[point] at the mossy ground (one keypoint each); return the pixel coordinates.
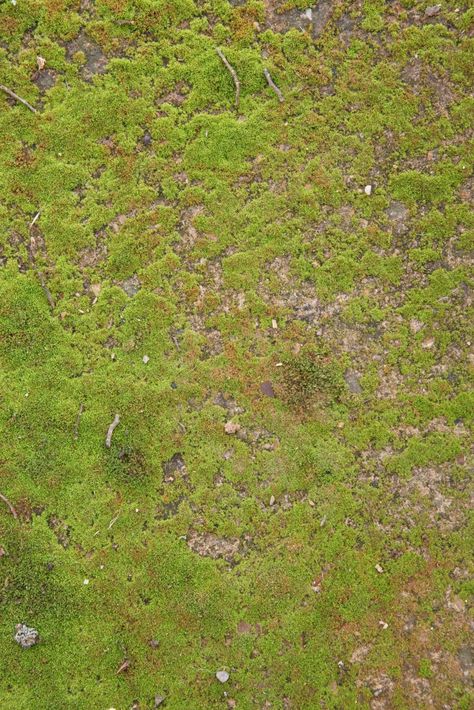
(236, 248)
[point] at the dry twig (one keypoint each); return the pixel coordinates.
(233, 74)
(110, 431)
(12, 94)
(12, 509)
(273, 86)
(34, 220)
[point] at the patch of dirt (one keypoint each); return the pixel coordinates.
(209, 545)
(44, 79)
(227, 403)
(174, 468)
(95, 59)
(131, 286)
(313, 19)
(60, 529)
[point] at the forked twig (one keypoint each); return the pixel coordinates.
(17, 98)
(12, 509)
(273, 86)
(233, 74)
(110, 431)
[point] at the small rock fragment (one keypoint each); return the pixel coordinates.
(147, 139)
(159, 700)
(40, 62)
(124, 666)
(272, 500)
(368, 189)
(266, 388)
(427, 343)
(95, 289)
(146, 359)
(352, 381)
(231, 427)
(274, 324)
(222, 676)
(26, 636)
(383, 624)
(416, 325)
(131, 286)
(432, 10)
(379, 568)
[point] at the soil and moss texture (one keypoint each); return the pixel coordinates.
(235, 348)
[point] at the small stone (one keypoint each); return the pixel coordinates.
(146, 359)
(159, 700)
(40, 62)
(131, 286)
(85, 582)
(308, 14)
(432, 10)
(427, 343)
(272, 500)
(266, 388)
(231, 427)
(352, 381)
(379, 568)
(26, 636)
(222, 676)
(274, 324)
(416, 325)
(368, 189)
(147, 139)
(383, 624)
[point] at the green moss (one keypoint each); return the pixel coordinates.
(212, 266)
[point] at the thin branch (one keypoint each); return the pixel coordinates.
(233, 74)
(12, 509)
(273, 86)
(113, 521)
(17, 98)
(78, 421)
(34, 220)
(110, 431)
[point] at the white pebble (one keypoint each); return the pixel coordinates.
(146, 359)
(86, 581)
(222, 676)
(368, 189)
(379, 569)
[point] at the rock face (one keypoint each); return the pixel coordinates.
(26, 636)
